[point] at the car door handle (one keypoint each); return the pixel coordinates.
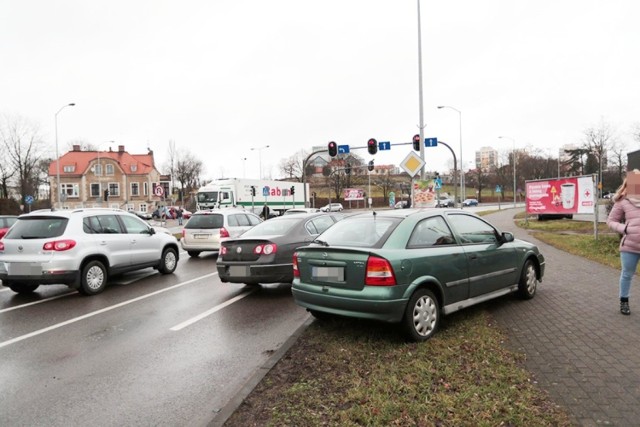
(473, 256)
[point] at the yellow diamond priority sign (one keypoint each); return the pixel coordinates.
(412, 163)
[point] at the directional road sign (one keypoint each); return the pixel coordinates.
(431, 142)
(384, 145)
(343, 149)
(28, 200)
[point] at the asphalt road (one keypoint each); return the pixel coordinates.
(150, 350)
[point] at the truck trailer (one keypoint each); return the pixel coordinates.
(252, 194)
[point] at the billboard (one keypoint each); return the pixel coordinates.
(353, 194)
(424, 193)
(572, 195)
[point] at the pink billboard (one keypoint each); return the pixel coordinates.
(572, 195)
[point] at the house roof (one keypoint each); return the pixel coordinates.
(82, 161)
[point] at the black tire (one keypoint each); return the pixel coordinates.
(169, 261)
(22, 288)
(528, 281)
(422, 316)
(193, 254)
(93, 278)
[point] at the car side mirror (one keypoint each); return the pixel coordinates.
(507, 237)
(152, 231)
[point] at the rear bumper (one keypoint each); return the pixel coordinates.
(69, 278)
(279, 273)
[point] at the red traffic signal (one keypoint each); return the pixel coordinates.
(333, 149)
(416, 142)
(370, 166)
(372, 146)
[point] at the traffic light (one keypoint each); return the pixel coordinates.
(416, 142)
(347, 169)
(253, 190)
(370, 166)
(106, 195)
(333, 149)
(292, 190)
(372, 146)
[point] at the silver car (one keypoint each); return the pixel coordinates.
(206, 229)
(81, 248)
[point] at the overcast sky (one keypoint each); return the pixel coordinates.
(222, 76)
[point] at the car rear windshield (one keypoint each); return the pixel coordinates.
(37, 228)
(205, 221)
(273, 227)
(368, 232)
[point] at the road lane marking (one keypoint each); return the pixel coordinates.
(104, 310)
(210, 312)
(4, 310)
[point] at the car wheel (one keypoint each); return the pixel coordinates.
(193, 254)
(22, 288)
(422, 315)
(169, 261)
(528, 281)
(93, 279)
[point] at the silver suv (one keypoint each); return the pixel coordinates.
(81, 248)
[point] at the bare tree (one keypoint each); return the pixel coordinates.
(188, 170)
(292, 167)
(598, 141)
(23, 148)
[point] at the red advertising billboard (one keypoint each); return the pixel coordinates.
(572, 195)
(353, 194)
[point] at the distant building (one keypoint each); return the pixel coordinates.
(130, 179)
(487, 159)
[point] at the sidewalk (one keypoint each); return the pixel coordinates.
(577, 344)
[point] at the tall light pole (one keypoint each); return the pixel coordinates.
(462, 194)
(514, 167)
(57, 155)
(420, 92)
(260, 156)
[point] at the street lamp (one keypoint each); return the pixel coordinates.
(462, 194)
(420, 92)
(57, 155)
(260, 156)
(514, 167)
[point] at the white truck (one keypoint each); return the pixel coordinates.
(252, 194)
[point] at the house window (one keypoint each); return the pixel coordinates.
(135, 189)
(97, 169)
(95, 190)
(134, 168)
(143, 207)
(69, 168)
(109, 169)
(71, 190)
(145, 188)
(114, 189)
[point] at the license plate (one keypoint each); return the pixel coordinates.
(201, 236)
(328, 273)
(237, 270)
(24, 269)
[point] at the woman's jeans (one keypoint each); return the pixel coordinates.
(629, 261)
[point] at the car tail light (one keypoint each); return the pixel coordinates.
(379, 272)
(3, 231)
(267, 249)
(1, 246)
(296, 272)
(184, 232)
(223, 250)
(224, 232)
(59, 245)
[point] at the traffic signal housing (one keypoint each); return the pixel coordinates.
(372, 146)
(370, 166)
(292, 190)
(416, 142)
(253, 190)
(333, 149)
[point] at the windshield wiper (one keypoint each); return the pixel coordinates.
(321, 242)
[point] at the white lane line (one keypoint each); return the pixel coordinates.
(104, 310)
(4, 310)
(210, 312)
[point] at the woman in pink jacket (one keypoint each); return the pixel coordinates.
(625, 219)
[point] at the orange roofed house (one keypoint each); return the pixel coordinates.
(86, 176)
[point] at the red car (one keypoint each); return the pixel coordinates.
(6, 221)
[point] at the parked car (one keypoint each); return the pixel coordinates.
(445, 202)
(205, 230)
(264, 253)
(6, 221)
(143, 215)
(470, 202)
(411, 267)
(81, 248)
(332, 207)
(301, 210)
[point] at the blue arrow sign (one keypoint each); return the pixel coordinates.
(384, 145)
(431, 142)
(343, 149)
(28, 200)
(498, 189)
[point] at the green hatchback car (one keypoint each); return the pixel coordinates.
(412, 266)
